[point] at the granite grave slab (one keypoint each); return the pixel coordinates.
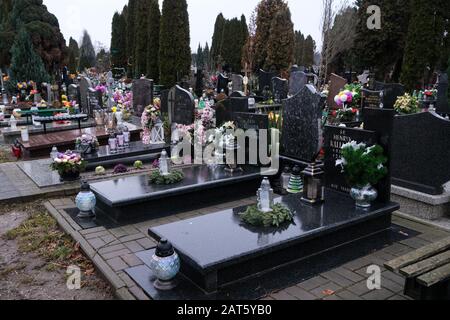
(337, 83)
(218, 249)
(144, 200)
(443, 97)
(280, 89)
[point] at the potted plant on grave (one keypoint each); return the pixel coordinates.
(69, 165)
(363, 167)
(406, 104)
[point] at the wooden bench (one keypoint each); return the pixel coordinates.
(427, 271)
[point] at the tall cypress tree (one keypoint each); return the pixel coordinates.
(131, 34)
(266, 12)
(154, 22)
(309, 50)
(118, 41)
(217, 41)
(206, 57)
(87, 53)
(299, 46)
(74, 55)
(141, 40)
(280, 46)
(26, 64)
(175, 51)
(199, 59)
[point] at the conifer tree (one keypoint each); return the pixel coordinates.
(87, 53)
(281, 42)
(175, 51)
(131, 34)
(118, 41)
(141, 40)
(154, 23)
(266, 12)
(206, 57)
(26, 64)
(217, 41)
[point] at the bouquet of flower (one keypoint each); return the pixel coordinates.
(150, 116)
(68, 163)
(86, 144)
(362, 165)
(101, 88)
(406, 104)
(345, 114)
(226, 132)
(347, 98)
(429, 94)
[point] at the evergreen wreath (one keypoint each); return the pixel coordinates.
(174, 177)
(278, 216)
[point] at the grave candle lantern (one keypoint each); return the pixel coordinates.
(120, 140)
(157, 136)
(24, 134)
(165, 264)
(85, 201)
(265, 196)
(164, 164)
(313, 190)
(13, 123)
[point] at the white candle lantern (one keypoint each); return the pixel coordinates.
(265, 196)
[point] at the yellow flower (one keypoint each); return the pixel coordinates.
(114, 109)
(64, 97)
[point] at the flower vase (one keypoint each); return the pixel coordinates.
(364, 196)
(69, 176)
(146, 137)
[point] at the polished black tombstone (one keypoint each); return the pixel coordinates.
(142, 95)
(222, 84)
(265, 80)
(421, 152)
(181, 106)
(280, 89)
(391, 91)
(238, 82)
(226, 108)
(443, 97)
(217, 250)
(302, 132)
(134, 198)
(136, 151)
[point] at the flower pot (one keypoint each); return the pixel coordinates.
(364, 196)
(70, 176)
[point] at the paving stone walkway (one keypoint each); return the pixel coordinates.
(114, 250)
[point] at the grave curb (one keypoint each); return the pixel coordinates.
(428, 223)
(121, 292)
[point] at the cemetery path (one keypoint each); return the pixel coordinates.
(27, 275)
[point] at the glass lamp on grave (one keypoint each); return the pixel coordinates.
(112, 143)
(86, 202)
(54, 153)
(313, 190)
(164, 164)
(157, 135)
(120, 140)
(285, 177)
(126, 136)
(265, 196)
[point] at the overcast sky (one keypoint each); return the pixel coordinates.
(95, 16)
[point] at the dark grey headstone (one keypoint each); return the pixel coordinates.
(222, 84)
(165, 101)
(265, 79)
(302, 128)
(443, 95)
(297, 81)
(421, 152)
(251, 121)
(85, 84)
(391, 91)
(142, 95)
(74, 93)
(226, 108)
(181, 106)
(337, 83)
(335, 138)
(93, 102)
(238, 82)
(371, 99)
(280, 88)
